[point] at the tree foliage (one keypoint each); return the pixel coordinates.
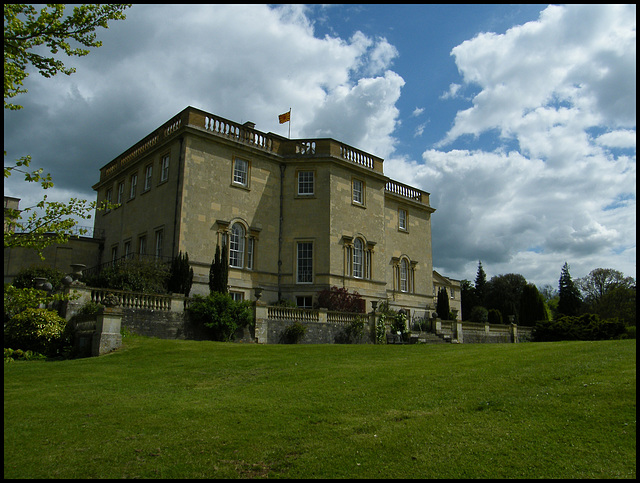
(32, 38)
(601, 281)
(532, 306)
(340, 300)
(504, 293)
(27, 31)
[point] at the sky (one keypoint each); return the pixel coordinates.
(519, 120)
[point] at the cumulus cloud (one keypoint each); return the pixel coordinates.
(243, 62)
(543, 87)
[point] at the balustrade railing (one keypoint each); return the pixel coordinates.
(405, 191)
(133, 300)
(238, 132)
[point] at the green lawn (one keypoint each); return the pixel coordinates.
(187, 409)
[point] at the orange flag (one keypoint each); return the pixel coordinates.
(286, 117)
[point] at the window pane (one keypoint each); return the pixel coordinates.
(305, 182)
(165, 169)
(240, 172)
(404, 276)
(147, 178)
(236, 246)
(357, 192)
(305, 262)
(358, 258)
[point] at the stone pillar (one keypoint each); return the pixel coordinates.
(514, 333)
(261, 322)
(457, 326)
(322, 315)
(107, 336)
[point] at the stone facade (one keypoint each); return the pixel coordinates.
(298, 215)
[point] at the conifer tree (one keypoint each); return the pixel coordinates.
(442, 307)
(218, 273)
(569, 296)
(181, 277)
(481, 285)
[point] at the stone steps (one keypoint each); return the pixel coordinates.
(428, 338)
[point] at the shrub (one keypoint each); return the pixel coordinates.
(479, 314)
(37, 330)
(583, 327)
(494, 316)
(11, 355)
(26, 278)
(133, 275)
(340, 300)
(220, 314)
(353, 331)
(18, 299)
(294, 333)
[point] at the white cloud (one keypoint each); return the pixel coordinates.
(452, 92)
(623, 138)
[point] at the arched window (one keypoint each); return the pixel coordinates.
(236, 246)
(358, 258)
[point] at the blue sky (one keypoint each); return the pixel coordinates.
(518, 119)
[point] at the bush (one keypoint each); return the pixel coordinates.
(583, 327)
(133, 275)
(353, 331)
(494, 316)
(18, 299)
(11, 355)
(340, 300)
(26, 278)
(294, 333)
(220, 314)
(37, 330)
(479, 314)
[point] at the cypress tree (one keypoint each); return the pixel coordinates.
(442, 307)
(181, 277)
(218, 273)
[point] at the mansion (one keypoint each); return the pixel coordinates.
(296, 215)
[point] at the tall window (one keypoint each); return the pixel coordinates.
(148, 176)
(357, 191)
(305, 182)
(304, 262)
(241, 172)
(109, 195)
(127, 249)
(142, 245)
(358, 258)
(404, 275)
(134, 184)
(120, 192)
(159, 244)
(402, 219)
(236, 246)
(164, 170)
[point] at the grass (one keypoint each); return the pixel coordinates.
(188, 409)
